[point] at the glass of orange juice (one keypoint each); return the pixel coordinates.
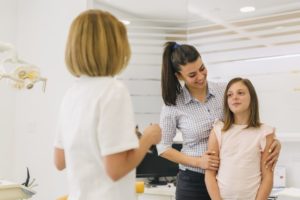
(139, 186)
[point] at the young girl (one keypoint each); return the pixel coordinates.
(96, 140)
(242, 142)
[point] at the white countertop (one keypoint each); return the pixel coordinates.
(168, 190)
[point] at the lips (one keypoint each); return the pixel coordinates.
(200, 83)
(236, 104)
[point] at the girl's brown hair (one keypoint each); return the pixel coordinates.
(253, 120)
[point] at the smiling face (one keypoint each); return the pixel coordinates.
(238, 98)
(194, 75)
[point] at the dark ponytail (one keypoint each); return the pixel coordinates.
(174, 56)
(169, 83)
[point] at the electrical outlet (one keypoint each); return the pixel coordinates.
(279, 177)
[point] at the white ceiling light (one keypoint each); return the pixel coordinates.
(247, 9)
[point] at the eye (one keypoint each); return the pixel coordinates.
(241, 92)
(192, 75)
(229, 94)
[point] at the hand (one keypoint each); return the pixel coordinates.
(153, 132)
(209, 160)
(273, 156)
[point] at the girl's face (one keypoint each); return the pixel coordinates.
(238, 98)
(194, 75)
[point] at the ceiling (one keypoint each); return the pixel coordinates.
(231, 43)
(214, 26)
(190, 10)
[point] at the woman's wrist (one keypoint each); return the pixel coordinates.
(196, 162)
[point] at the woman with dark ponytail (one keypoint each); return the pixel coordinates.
(170, 84)
(192, 108)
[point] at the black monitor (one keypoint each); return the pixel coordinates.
(154, 166)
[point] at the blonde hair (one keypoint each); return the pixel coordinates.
(97, 45)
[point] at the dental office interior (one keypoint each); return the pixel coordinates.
(261, 43)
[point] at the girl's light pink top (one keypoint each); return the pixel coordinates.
(239, 175)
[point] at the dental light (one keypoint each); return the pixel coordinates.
(23, 74)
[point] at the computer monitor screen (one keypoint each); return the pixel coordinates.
(154, 166)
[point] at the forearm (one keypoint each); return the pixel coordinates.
(212, 185)
(119, 165)
(267, 173)
(265, 188)
(178, 157)
(135, 156)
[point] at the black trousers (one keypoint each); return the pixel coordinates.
(191, 186)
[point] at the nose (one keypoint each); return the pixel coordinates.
(234, 96)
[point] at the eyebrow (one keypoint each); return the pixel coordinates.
(240, 89)
(191, 73)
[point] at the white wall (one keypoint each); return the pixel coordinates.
(42, 28)
(290, 159)
(8, 19)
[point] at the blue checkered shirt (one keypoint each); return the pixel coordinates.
(194, 119)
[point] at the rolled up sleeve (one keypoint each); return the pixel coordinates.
(168, 127)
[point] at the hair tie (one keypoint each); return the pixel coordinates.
(175, 46)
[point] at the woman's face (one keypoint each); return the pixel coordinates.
(194, 75)
(238, 98)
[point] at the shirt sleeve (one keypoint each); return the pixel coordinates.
(266, 130)
(168, 127)
(116, 127)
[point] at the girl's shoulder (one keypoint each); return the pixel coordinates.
(217, 127)
(267, 129)
(218, 123)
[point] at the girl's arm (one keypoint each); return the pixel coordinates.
(267, 172)
(210, 175)
(119, 164)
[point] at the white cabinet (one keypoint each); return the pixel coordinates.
(166, 192)
(13, 191)
(155, 197)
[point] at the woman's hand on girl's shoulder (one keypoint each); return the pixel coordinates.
(274, 152)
